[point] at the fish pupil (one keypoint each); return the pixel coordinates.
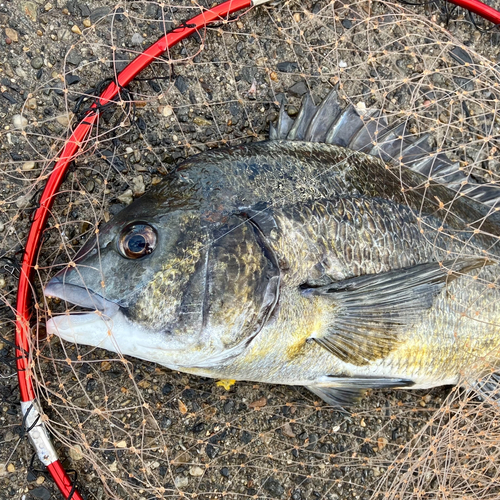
(137, 244)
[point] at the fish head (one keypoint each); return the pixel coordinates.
(169, 281)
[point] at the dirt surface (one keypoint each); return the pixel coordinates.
(159, 434)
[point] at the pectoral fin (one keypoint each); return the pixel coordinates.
(370, 312)
(343, 391)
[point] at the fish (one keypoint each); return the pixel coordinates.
(343, 254)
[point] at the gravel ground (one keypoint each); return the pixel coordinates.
(193, 436)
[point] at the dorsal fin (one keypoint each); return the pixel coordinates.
(368, 131)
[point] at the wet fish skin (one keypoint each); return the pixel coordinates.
(259, 249)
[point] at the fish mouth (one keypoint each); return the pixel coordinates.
(80, 296)
(107, 326)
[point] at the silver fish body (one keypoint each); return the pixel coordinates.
(298, 262)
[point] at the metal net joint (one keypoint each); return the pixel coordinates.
(37, 432)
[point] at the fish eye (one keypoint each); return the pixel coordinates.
(137, 240)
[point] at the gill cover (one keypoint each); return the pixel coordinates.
(203, 288)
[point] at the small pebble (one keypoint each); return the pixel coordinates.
(72, 79)
(75, 452)
(274, 487)
(105, 366)
(181, 482)
(288, 67)
(166, 110)
(137, 39)
(87, 22)
(2, 282)
(20, 72)
(298, 89)
(182, 458)
(381, 443)
(74, 58)
(12, 34)
(121, 444)
(64, 120)
(196, 471)
(41, 492)
(36, 62)
(443, 118)
(48, 6)
(126, 198)
(24, 201)
(138, 185)
(201, 122)
(259, 403)
(76, 29)
(346, 23)
(30, 8)
(181, 84)
(11, 468)
(28, 165)
(361, 106)
(342, 64)
(287, 430)
(19, 122)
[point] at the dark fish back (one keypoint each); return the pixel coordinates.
(311, 158)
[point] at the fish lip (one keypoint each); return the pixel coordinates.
(80, 296)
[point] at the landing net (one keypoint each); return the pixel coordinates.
(135, 430)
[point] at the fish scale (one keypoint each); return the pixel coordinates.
(343, 254)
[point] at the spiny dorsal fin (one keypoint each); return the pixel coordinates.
(300, 125)
(370, 312)
(367, 131)
(344, 391)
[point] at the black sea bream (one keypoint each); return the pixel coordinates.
(342, 254)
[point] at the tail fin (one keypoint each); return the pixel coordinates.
(368, 131)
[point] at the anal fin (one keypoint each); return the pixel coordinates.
(345, 391)
(488, 388)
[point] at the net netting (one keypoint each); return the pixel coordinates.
(135, 430)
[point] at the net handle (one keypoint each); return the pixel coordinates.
(36, 431)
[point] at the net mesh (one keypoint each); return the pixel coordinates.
(136, 430)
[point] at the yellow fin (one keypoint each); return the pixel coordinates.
(226, 383)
